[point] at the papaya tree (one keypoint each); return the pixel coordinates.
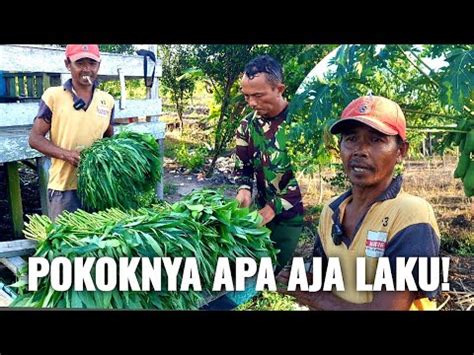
(432, 83)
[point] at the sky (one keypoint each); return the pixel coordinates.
(323, 67)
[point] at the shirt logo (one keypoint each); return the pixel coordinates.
(364, 109)
(375, 244)
(103, 111)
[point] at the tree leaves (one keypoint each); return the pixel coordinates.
(429, 95)
(458, 80)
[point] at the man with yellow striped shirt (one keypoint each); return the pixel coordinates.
(376, 218)
(75, 115)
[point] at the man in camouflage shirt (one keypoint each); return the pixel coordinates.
(261, 152)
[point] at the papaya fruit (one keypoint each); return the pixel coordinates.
(468, 180)
(463, 165)
(459, 135)
(469, 144)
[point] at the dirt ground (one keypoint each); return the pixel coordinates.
(30, 198)
(178, 182)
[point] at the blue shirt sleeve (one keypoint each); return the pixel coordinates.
(417, 240)
(44, 112)
(112, 115)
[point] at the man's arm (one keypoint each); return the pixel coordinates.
(109, 132)
(326, 300)
(383, 300)
(38, 141)
(243, 166)
(286, 197)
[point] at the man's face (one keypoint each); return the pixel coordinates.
(261, 95)
(369, 156)
(82, 68)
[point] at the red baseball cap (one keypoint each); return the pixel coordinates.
(378, 112)
(78, 51)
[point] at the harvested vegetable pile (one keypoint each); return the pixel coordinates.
(204, 225)
(117, 171)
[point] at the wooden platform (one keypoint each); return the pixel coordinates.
(25, 72)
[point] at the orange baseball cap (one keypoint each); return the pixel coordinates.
(378, 112)
(78, 51)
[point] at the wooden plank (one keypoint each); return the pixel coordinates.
(14, 140)
(14, 145)
(160, 186)
(14, 263)
(46, 83)
(65, 77)
(19, 247)
(14, 198)
(30, 85)
(55, 80)
(123, 91)
(31, 58)
(42, 168)
(39, 86)
(157, 129)
(5, 298)
(11, 86)
(21, 85)
(23, 113)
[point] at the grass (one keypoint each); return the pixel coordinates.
(461, 245)
(169, 188)
(270, 301)
(189, 139)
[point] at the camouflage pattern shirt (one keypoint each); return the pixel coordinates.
(261, 151)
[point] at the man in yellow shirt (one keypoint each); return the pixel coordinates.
(75, 115)
(376, 218)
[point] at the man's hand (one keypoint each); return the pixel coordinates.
(267, 213)
(38, 141)
(309, 299)
(244, 197)
(71, 156)
(282, 280)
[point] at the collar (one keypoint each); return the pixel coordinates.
(390, 193)
(68, 86)
(282, 115)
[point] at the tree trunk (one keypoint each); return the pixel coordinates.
(210, 171)
(219, 136)
(321, 188)
(180, 109)
(181, 123)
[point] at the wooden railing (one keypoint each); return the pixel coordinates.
(36, 68)
(28, 86)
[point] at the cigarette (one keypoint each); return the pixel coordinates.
(88, 79)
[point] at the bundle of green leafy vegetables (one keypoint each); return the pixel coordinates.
(117, 171)
(204, 225)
